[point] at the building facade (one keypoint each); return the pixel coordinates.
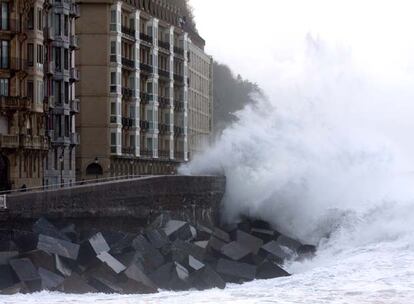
(23, 140)
(200, 97)
(134, 64)
(29, 97)
(60, 98)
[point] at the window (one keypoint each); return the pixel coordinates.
(58, 26)
(66, 26)
(4, 24)
(30, 89)
(30, 54)
(39, 19)
(113, 142)
(4, 87)
(4, 56)
(39, 54)
(58, 92)
(113, 21)
(113, 82)
(66, 92)
(40, 91)
(66, 59)
(30, 19)
(58, 60)
(67, 126)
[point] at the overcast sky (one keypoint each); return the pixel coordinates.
(263, 40)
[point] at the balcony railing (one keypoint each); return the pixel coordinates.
(164, 102)
(178, 130)
(178, 51)
(165, 154)
(144, 125)
(75, 105)
(145, 97)
(74, 74)
(34, 142)
(14, 103)
(178, 105)
(164, 73)
(127, 122)
(146, 153)
(164, 45)
(178, 78)
(128, 31)
(145, 37)
(127, 92)
(74, 41)
(146, 68)
(128, 150)
(74, 139)
(129, 63)
(9, 141)
(164, 128)
(74, 10)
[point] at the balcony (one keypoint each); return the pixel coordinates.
(9, 141)
(178, 131)
(49, 33)
(75, 106)
(74, 139)
(74, 42)
(14, 103)
(146, 153)
(34, 142)
(146, 68)
(128, 150)
(164, 45)
(179, 51)
(164, 73)
(144, 125)
(50, 67)
(164, 102)
(128, 63)
(128, 93)
(74, 10)
(59, 140)
(129, 32)
(164, 128)
(146, 38)
(179, 78)
(145, 97)
(74, 74)
(178, 105)
(127, 122)
(164, 154)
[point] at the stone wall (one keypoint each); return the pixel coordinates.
(125, 204)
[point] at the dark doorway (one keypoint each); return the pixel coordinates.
(4, 174)
(94, 169)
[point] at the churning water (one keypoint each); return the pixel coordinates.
(324, 160)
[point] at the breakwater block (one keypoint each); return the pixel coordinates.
(168, 254)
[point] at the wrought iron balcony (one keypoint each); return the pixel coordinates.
(164, 45)
(163, 73)
(9, 141)
(179, 51)
(178, 105)
(127, 122)
(146, 38)
(164, 102)
(128, 31)
(74, 74)
(178, 78)
(129, 63)
(15, 103)
(128, 150)
(164, 128)
(146, 68)
(165, 154)
(144, 125)
(75, 105)
(146, 153)
(74, 42)
(178, 130)
(145, 97)
(34, 142)
(127, 92)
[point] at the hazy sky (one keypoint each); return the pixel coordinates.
(254, 37)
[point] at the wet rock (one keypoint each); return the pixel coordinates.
(111, 262)
(137, 273)
(194, 263)
(207, 278)
(234, 251)
(27, 274)
(248, 241)
(276, 251)
(236, 269)
(57, 246)
(288, 242)
(50, 280)
(270, 270)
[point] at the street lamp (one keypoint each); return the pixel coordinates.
(61, 170)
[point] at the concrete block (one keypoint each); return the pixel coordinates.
(77, 285)
(234, 251)
(181, 250)
(8, 277)
(70, 232)
(270, 270)
(162, 276)
(202, 244)
(57, 246)
(265, 234)
(276, 250)
(104, 285)
(136, 273)
(6, 256)
(50, 280)
(194, 263)
(43, 226)
(62, 266)
(182, 272)
(288, 242)
(178, 230)
(157, 238)
(112, 263)
(99, 244)
(236, 269)
(123, 245)
(151, 256)
(215, 244)
(160, 221)
(206, 278)
(248, 241)
(222, 235)
(42, 259)
(27, 274)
